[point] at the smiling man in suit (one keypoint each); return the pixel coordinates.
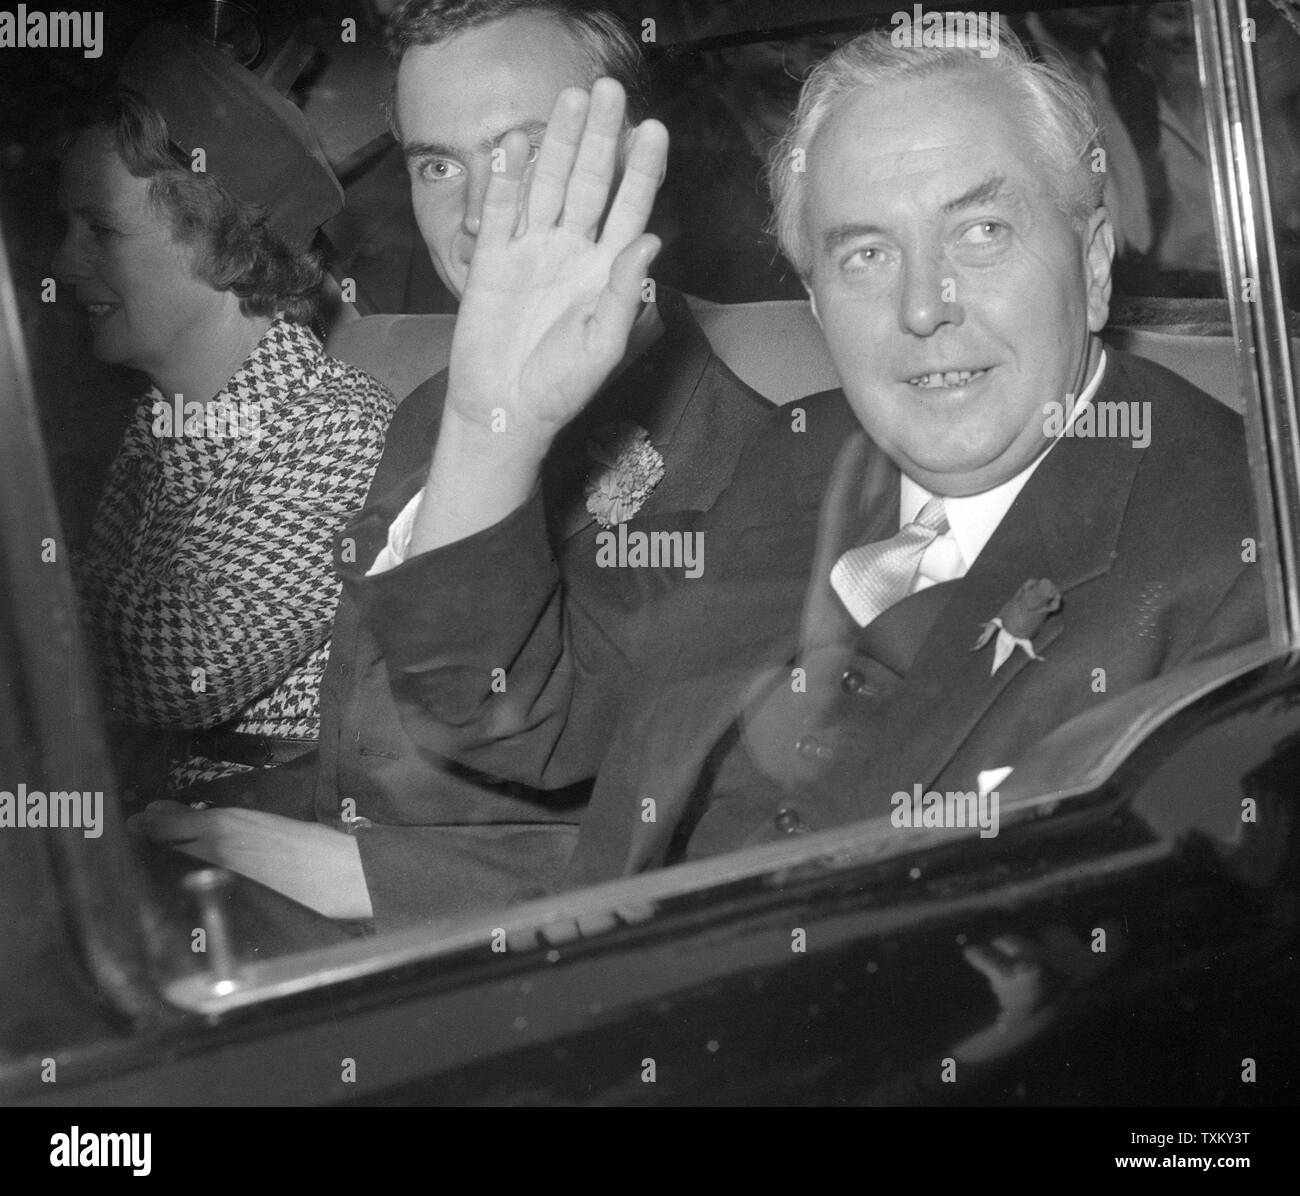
(911, 580)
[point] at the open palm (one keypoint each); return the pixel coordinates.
(552, 292)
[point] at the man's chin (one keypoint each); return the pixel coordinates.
(957, 478)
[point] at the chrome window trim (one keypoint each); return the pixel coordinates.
(1244, 227)
(586, 914)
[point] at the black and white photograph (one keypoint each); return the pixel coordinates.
(651, 552)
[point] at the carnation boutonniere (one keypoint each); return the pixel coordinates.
(630, 467)
(1020, 619)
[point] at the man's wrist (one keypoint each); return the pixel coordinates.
(479, 474)
(497, 441)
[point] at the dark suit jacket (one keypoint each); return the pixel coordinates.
(436, 837)
(640, 687)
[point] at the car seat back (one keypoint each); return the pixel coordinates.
(774, 346)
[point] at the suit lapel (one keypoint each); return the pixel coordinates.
(1065, 526)
(861, 506)
(654, 391)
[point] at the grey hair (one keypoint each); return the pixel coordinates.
(1058, 114)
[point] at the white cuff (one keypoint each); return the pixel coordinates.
(399, 539)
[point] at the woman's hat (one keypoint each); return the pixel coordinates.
(254, 142)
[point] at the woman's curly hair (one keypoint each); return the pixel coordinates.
(235, 249)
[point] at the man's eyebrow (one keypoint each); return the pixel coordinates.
(438, 149)
(91, 211)
(835, 237)
(423, 149)
(992, 188)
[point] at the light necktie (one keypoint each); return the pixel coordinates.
(870, 579)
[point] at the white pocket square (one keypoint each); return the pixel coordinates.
(991, 778)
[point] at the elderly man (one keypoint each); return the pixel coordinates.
(377, 826)
(910, 581)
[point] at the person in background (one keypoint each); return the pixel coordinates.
(191, 196)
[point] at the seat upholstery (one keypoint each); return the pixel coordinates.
(401, 351)
(776, 347)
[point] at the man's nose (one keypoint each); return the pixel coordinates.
(930, 296)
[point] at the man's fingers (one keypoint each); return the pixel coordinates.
(501, 199)
(620, 301)
(593, 169)
(555, 159)
(643, 172)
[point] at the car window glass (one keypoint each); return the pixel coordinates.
(1277, 44)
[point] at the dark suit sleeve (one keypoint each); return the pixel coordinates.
(417, 875)
(497, 663)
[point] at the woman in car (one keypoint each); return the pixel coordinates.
(192, 194)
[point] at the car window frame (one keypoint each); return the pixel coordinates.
(1248, 252)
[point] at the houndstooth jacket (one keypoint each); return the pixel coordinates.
(208, 577)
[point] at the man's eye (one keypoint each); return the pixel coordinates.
(985, 232)
(862, 258)
(438, 170)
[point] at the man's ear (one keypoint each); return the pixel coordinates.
(812, 302)
(1098, 259)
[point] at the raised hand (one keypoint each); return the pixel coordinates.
(552, 294)
(548, 307)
